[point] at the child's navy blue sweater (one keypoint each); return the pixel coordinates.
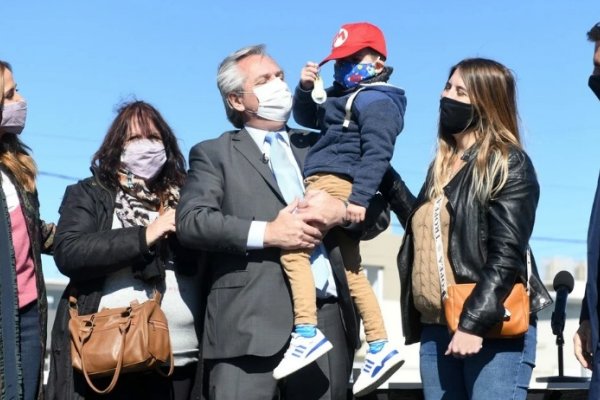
(362, 151)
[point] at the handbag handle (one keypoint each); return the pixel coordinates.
(439, 250)
(123, 328)
(171, 367)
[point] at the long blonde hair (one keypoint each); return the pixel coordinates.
(492, 90)
(13, 153)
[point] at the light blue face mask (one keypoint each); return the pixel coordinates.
(349, 74)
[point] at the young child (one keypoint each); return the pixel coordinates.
(359, 118)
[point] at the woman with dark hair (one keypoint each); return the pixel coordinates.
(480, 195)
(116, 242)
(23, 236)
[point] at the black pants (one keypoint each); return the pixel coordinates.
(149, 386)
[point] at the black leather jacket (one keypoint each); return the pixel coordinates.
(488, 242)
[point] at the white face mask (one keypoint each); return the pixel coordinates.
(144, 157)
(274, 100)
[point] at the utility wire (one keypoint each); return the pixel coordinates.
(59, 176)
(558, 240)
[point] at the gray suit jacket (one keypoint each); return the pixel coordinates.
(249, 306)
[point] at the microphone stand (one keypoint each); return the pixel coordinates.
(560, 341)
(561, 378)
(563, 285)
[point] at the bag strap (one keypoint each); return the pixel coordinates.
(348, 107)
(123, 328)
(439, 249)
(439, 246)
(73, 310)
(158, 299)
(171, 367)
(156, 296)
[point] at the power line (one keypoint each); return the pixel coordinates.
(67, 137)
(59, 176)
(558, 240)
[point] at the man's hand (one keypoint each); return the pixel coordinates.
(464, 344)
(322, 210)
(308, 75)
(291, 231)
(355, 213)
(582, 345)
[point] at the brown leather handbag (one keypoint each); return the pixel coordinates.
(516, 306)
(115, 341)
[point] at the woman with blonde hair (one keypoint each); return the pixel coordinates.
(23, 237)
(480, 194)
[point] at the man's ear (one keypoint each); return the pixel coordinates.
(379, 64)
(235, 102)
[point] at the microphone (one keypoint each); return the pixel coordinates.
(563, 285)
(264, 158)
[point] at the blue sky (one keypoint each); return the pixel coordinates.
(75, 61)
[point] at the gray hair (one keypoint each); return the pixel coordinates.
(230, 79)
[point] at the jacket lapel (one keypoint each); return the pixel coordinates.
(243, 143)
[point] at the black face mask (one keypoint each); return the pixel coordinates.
(456, 117)
(594, 84)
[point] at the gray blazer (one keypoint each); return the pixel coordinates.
(249, 306)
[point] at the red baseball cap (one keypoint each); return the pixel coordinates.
(352, 38)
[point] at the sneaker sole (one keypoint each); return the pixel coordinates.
(324, 348)
(385, 375)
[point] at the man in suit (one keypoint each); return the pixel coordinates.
(233, 207)
(586, 340)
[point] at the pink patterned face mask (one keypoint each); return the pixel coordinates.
(144, 157)
(13, 117)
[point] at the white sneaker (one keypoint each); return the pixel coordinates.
(378, 367)
(302, 351)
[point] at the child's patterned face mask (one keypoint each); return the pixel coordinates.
(349, 74)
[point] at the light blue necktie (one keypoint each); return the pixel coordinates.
(283, 169)
(291, 187)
